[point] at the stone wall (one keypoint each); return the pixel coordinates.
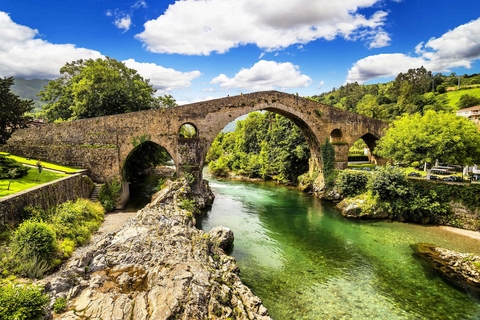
(44, 196)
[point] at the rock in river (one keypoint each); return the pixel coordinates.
(462, 269)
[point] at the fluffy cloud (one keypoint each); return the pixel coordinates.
(163, 79)
(199, 27)
(456, 48)
(22, 55)
(123, 23)
(265, 75)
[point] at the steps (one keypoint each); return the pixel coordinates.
(94, 194)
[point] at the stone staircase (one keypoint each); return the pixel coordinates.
(94, 194)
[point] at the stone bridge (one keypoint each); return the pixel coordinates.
(104, 144)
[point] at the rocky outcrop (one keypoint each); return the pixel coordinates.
(360, 208)
(158, 266)
(462, 269)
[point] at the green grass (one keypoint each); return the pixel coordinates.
(46, 165)
(28, 181)
(454, 96)
(362, 165)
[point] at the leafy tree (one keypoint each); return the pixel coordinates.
(12, 110)
(6, 168)
(442, 136)
(166, 101)
(92, 88)
(328, 159)
(467, 101)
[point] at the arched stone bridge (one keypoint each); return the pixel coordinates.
(103, 144)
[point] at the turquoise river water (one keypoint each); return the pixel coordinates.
(305, 261)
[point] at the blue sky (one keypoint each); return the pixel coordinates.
(201, 49)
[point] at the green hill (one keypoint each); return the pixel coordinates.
(454, 96)
(28, 89)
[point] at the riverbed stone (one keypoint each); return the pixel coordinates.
(462, 269)
(158, 266)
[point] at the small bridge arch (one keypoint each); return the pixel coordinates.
(103, 144)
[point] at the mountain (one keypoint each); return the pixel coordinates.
(28, 89)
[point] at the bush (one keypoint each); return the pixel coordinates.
(352, 182)
(389, 183)
(109, 193)
(37, 238)
(22, 301)
(7, 164)
(60, 305)
(78, 220)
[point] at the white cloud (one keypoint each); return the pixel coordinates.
(320, 85)
(200, 27)
(456, 48)
(163, 79)
(139, 4)
(265, 75)
(123, 22)
(22, 55)
(380, 40)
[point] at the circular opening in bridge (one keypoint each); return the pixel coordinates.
(188, 130)
(336, 136)
(147, 166)
(262, 144)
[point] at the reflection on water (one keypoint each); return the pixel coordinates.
(307, 262)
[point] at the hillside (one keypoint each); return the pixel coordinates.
(28, 89)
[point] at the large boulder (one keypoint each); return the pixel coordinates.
(360, 208)
(462, 269)
(223, 235)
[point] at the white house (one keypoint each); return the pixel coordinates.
(472, 113)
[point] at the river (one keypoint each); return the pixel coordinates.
(305, 261)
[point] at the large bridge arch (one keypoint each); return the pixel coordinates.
(103, 144)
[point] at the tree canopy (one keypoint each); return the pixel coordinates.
(433, 136)
(12, 110)
(92, 88)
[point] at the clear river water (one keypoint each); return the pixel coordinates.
(305, 261)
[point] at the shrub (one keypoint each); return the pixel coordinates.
(37, 238)
(78, 220)
(60, 305)
(351, 182)
(22, 301)
(389, 183)
(7, 165)
(109, 193)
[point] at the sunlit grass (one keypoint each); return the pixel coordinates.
(454, 96)
(46, 165)
(28, 181)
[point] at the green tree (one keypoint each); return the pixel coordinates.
(92, 88)
(12, 110)
(467, 101)
(442, 136)
(166, 101)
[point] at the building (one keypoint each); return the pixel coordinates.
(472, 113)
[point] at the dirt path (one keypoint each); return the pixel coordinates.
(115, 220)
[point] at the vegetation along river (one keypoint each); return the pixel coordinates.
(305, 261)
